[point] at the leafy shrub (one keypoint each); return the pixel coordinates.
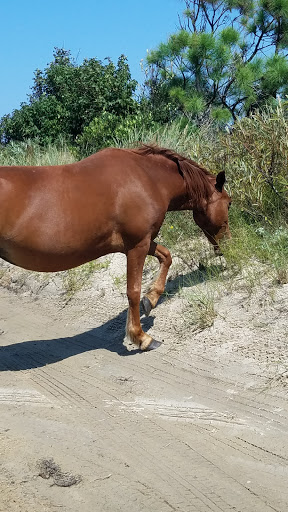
(109, 130)
(67, 96)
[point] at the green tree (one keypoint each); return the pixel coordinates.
(229, 57)
(66, 97)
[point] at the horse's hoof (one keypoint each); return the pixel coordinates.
(154, 344)
(147, 306)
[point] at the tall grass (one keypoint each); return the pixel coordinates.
(178, 136)
(254, 154)
(255, 157)
(32, 153)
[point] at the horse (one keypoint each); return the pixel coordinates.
(55, 218)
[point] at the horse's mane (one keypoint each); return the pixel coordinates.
(196, 177)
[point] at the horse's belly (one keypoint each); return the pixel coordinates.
(55, 255)
(46, 262)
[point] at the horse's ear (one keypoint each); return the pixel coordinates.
(220, 180)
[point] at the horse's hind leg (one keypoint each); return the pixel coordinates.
(156, 289)
(135, 262)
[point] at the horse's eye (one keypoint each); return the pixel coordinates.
(229, 205)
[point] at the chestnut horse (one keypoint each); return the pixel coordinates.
(58, 217)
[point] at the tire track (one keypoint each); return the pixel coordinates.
(196, 454)
(119, 429)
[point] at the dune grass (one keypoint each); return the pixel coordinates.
(32, 153)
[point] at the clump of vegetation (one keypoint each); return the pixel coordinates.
(200, 312)
(76, 278)
(255, 158)
(31, 152)
(119, 281)
(107, 128)
(67, 96)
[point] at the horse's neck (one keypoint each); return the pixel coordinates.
(179, 199)
(180, 203)
(172, 182)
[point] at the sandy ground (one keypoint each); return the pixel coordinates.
(201, 424)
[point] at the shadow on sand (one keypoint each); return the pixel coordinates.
(26, 355)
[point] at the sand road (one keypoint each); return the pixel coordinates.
(168, 430)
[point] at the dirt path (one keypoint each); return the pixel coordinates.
(179, 428)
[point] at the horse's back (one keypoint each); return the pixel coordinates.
(57, 217)
(111, 169)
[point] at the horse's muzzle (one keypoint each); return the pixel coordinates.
(226, 236)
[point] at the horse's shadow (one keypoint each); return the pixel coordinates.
(26, 355)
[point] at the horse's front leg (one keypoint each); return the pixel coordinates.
(156, 289)
(135, 262)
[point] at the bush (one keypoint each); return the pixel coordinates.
(109, 130)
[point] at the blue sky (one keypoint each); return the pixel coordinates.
(30, 30)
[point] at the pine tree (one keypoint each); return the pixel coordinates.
(228, 58)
